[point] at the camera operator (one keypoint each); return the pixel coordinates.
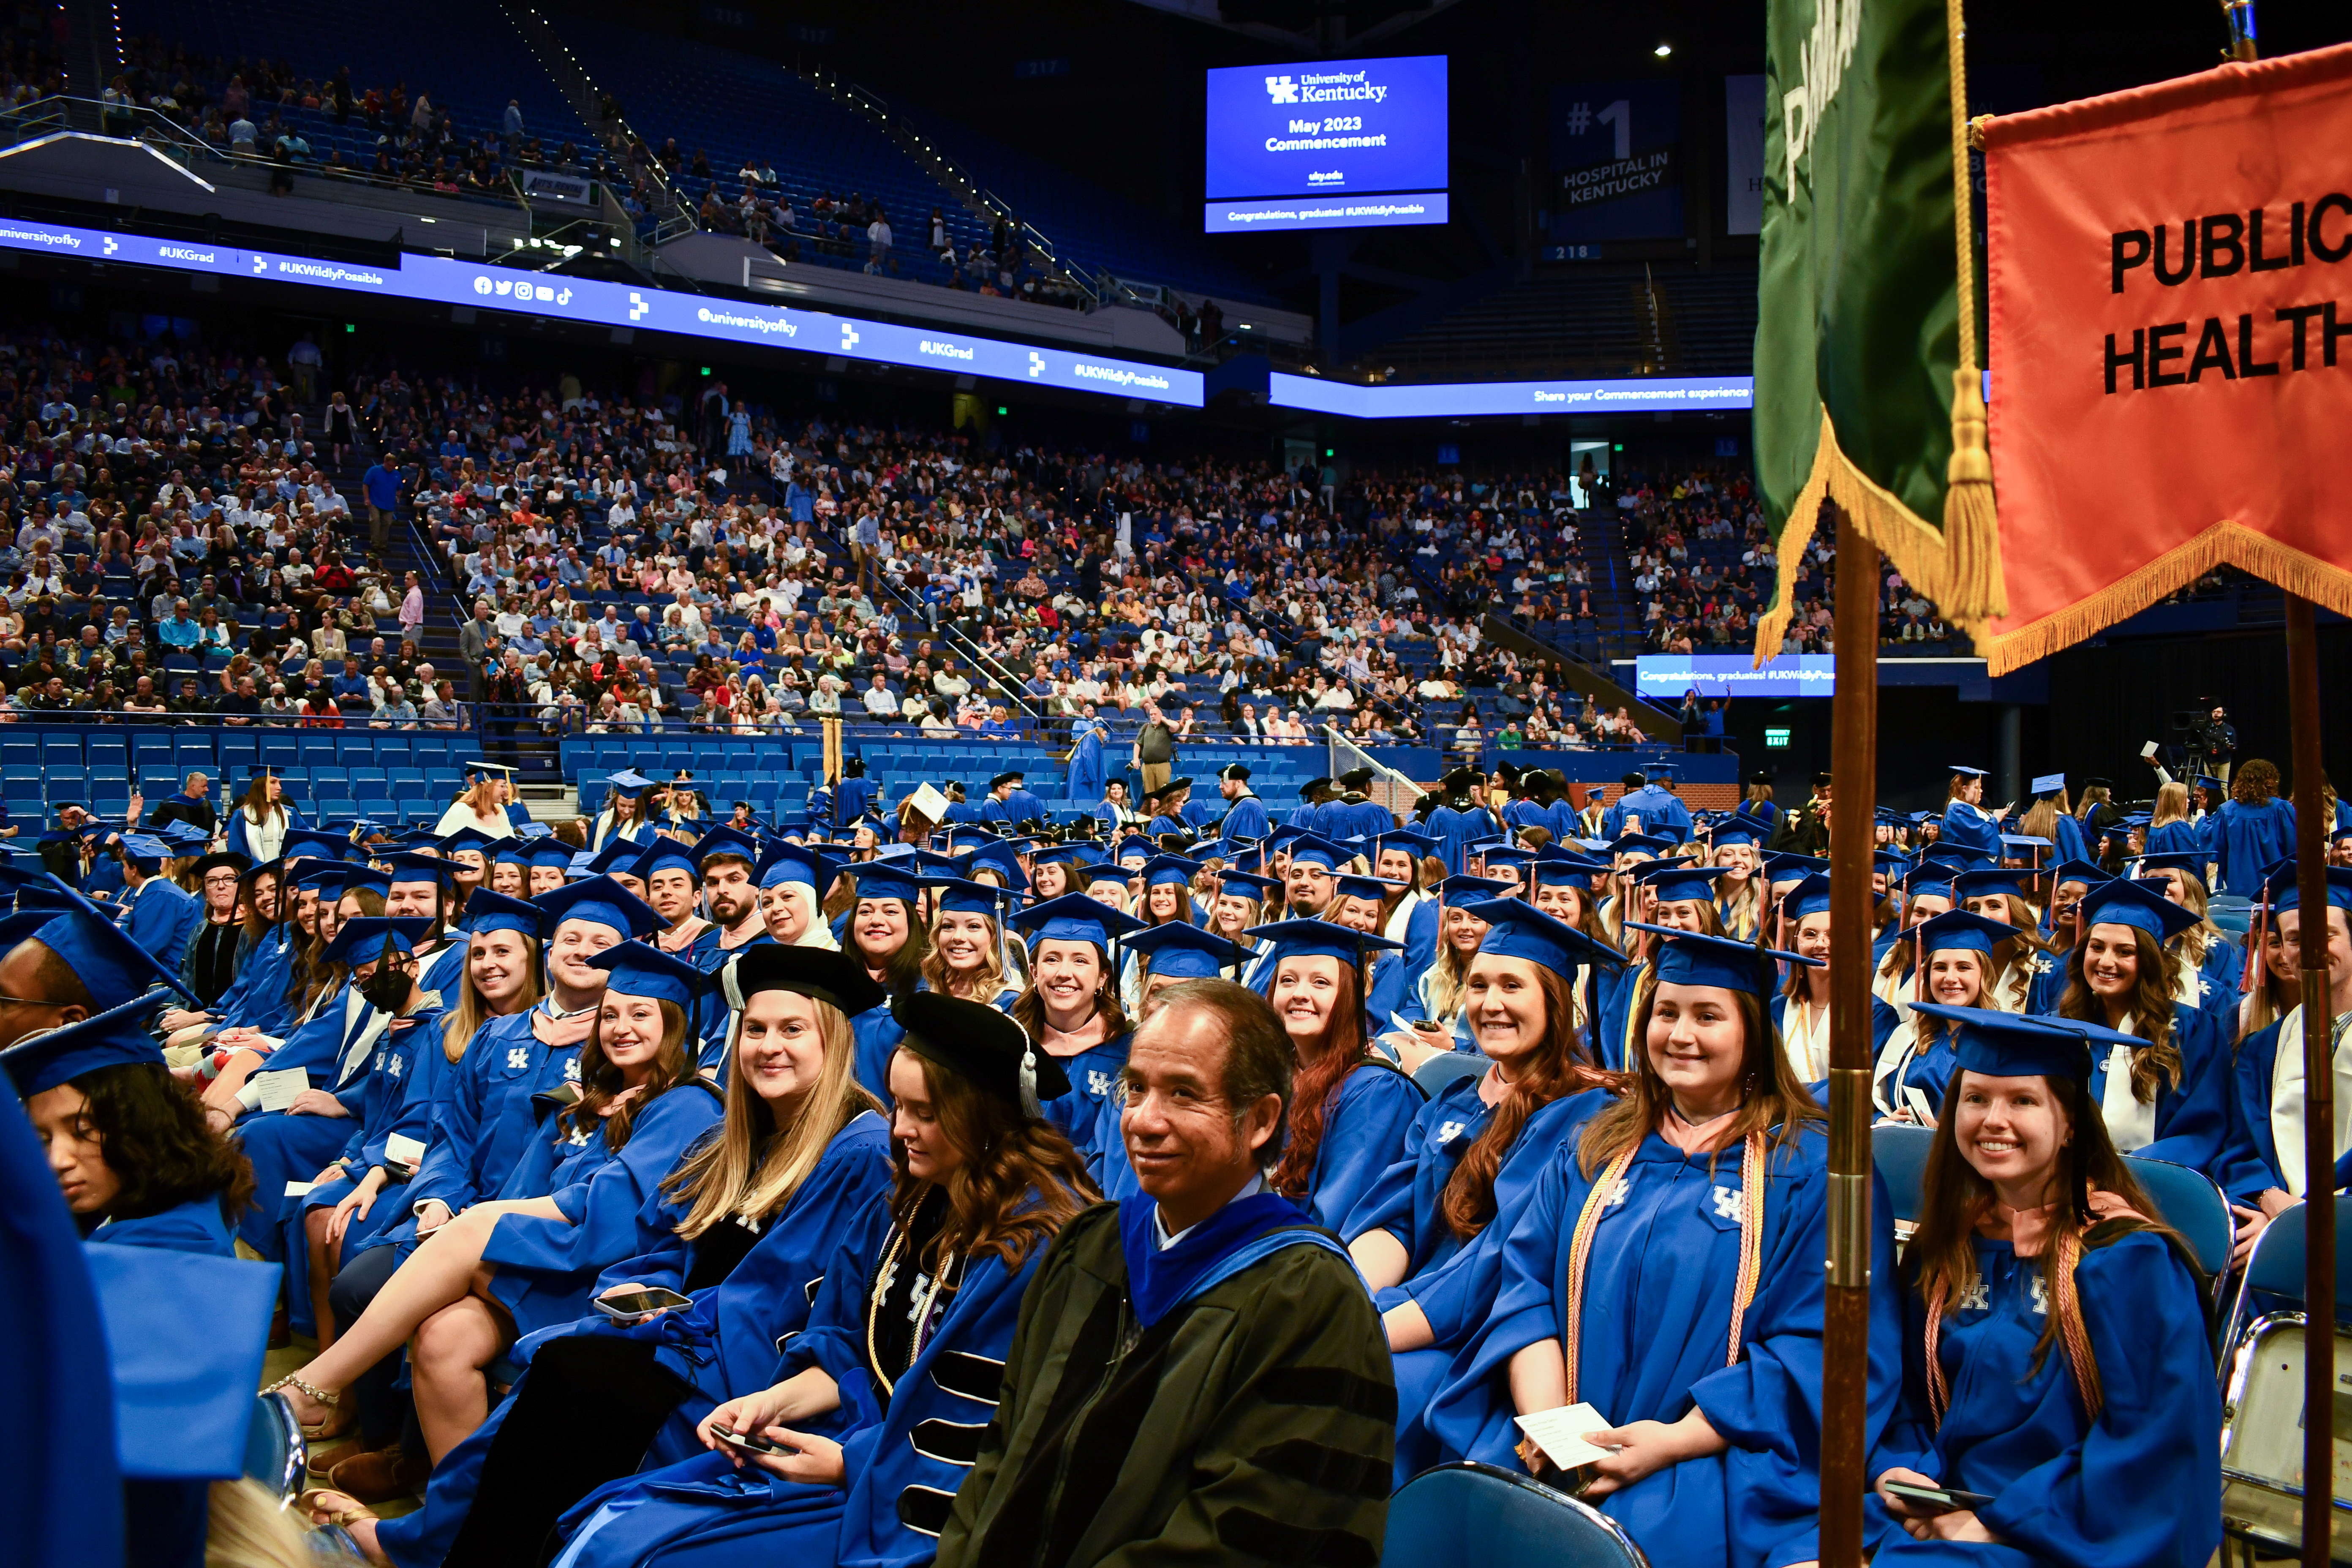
(2211, 741)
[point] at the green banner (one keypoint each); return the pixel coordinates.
(1857, 324)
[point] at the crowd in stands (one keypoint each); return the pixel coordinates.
(173, 544)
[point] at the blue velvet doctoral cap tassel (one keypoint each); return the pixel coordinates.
(641, 969)
(1516, 929)
(2127, 903)
(112, 968)
(1320, 939)
(601, 900)
(1685, 958)
(488, 911)
(116, 1037)
(1182, 950)
(363, 937)
(1074, 917)
(2015, 1045)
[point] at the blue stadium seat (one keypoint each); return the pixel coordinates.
(280, 754)
(61, 751)
(1901, 1154)
(2190, 1204)
(1476, 1514)
(65, 784)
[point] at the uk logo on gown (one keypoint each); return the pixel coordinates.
(517, 1059)
(1727, 1201)
(1448, 1131)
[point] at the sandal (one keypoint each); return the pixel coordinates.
(325, 1507)
(326, 1428)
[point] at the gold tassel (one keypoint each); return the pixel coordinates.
(1973, 589)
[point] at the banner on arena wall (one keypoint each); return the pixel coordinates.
(1859, 394)
(1616, 159)
(1743, 154)
(2170, 299)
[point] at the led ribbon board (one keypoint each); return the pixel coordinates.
(439, 279)
(1456, 399)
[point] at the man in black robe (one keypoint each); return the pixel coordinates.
(1198, 1375)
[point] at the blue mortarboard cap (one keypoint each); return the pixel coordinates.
(1962, 770)
(1673, 883)
(184, 1379)
(145, 849)
(2286, 895)
(723, 841)
(1641, 844)
(1687, 958)
(1739, 830)
(1182, 950)
(115, 1037)
(1314, 849)
(2047, 784)
(1005, 857)
(641, 969)
(1416, 840)
(347, 878)
(875, 878)
(2190, 863)
(1168, 871)
(2118, 901)
(489, 911)
(958, 896)
(1809, 897)
(1993, 879)
(513, 852)
(2025, 843)
(1074, 917)
(782, 863)
(1516, 929)
(361, 940)
(618, 854)
(1508, 855)
(413, 866)
(467, 839)
(628, 781)
(1320, 939)
(1784, 865)
(601, 899)
(2207, 781)
(1662, 770)
(301, 843)
(1246, 885)
(2020, 1045)
(112, 968)
(1369, 888)
(1060, 854)
(1134, 852)
(2086, 872)
(1960, 930)
(1087, 873)
(662, 855)
(1466, 890)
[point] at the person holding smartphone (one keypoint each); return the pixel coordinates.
(856, 1452)
(1667, 1269)
(2058, 1403)
(737, 1233)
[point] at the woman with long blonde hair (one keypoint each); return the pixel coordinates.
(920, 1299)
(967, 956)
(1666, 1267)
(745, 1225)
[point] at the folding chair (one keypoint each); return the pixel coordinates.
(1476, 1514)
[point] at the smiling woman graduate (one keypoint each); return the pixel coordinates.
(2053, 1334)
(1667, 1270)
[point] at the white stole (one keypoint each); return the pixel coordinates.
(2131, 1121)
(1888, 1093)
(356, 1045)
(2286, 1095)
(1805, 1039)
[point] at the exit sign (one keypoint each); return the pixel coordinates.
(1776, 739)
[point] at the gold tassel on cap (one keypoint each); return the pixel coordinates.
(1971, 588)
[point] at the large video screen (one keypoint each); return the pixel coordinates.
(1733, 675)
(1327, 144)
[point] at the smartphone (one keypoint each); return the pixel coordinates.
(637, 1303)
(564, 1094)
(1418, 1024)
(1941, 1500)
(750, 1442)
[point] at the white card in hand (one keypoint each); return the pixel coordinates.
(299, 1189)
(278, 1090)
(403, 1150)
(1559, 1433)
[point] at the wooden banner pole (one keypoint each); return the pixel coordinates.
(2319, 1087)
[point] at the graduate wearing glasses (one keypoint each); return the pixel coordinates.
(1667, 1269)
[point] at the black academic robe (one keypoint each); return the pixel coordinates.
(1253, 1421)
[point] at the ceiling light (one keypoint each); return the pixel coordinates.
(1663, 50)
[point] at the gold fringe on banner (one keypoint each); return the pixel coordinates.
(2225, 543)
(1915, 548)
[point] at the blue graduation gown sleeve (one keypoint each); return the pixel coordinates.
(162, 917)
(1969, 828)
(1364, 1132)
(1246, 820)
(2256, 1168)
(1094, 1075)
(547, 1267)
(877, 1034)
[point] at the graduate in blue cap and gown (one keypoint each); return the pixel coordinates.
(1473, 1150)
(1801, 1007)
(1351, 1110)
(528, 1258)
(1736, 848)
(1072, 1006)
(968, 957)
(160, 915)
(425, 886)
(1434, 1014)
(1245, 820)
(727, 861)
(1676, 894)
(744, 1227)
(2061, 929)
(2168, 1097)
(2269, 1172)
(1667, 1269)
(2211, 964)
(906, 1341)
(2053, 1339)
(626, 813)
(403, 1072)
(1956, 952)
(1167, 899)
(129, 1146)
(883, 928)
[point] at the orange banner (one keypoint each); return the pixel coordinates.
(2170, 342)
